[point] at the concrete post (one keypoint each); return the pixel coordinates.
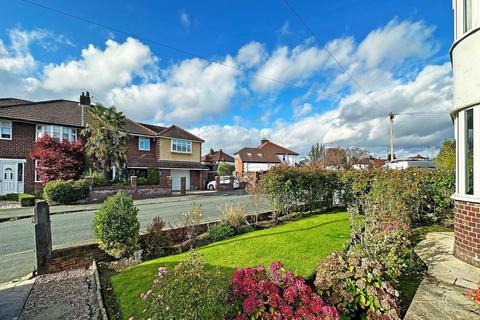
(43, 237)
(183, 186)
(169, 184)
(133, 182)
(217, 183)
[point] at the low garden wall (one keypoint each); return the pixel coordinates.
(141, 192)
(467, 232)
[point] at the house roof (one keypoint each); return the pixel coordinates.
(257, 155)
(149, 160)
(217, 156)
(12, 101)
(275, 148)
(69, 113)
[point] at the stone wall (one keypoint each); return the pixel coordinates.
(467, 232)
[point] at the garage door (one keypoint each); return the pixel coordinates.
(176, 178)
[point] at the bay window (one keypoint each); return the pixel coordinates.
(467, 15)
(469, 161)
(58, 132)
(181, 145)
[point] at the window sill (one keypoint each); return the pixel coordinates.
(143, 149)
(6, 139)
(465, 197)
(180, 152)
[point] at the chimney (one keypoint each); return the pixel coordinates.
(82, 98)
(264, 140)
(211, 151)
(84, 102)
(87, 99)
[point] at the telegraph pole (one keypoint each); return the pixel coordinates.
(391, 115)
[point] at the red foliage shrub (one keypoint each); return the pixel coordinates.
(474, 295)
(276, 294)
(58, 159)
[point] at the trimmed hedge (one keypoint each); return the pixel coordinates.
(26, 200)
(65, 192)
(153, 176)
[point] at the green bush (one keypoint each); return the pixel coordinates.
(26, 200)
(64, 192)
(357, 287)
(220, 232)
(116, 226)
(10, 197)
(187, 291)
(224, 169)
(153, 176)
(156, 240)
(141, 181)
(98, 180)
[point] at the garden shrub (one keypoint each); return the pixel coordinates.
(116, 226)
(156, 240)
(273, 293)
(98, 180)
(220, 232)
(142, 181)
(474, 295)
(357, 287)
(64, 192)
(233, 215)
(191, 221)
(187, 291)
(26, 200)
(153, 176)
(10, 197)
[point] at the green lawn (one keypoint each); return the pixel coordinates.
(300, 245)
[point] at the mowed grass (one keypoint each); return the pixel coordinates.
(300, 245)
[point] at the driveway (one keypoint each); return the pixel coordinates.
(70, 228)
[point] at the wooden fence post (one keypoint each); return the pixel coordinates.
(43, 237)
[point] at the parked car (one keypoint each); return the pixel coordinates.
(212, 185)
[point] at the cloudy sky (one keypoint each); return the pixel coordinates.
(236, 71)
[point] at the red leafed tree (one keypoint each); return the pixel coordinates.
(58, 159)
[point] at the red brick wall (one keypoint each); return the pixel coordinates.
(132, 147)
(23, 141)
(467, 231)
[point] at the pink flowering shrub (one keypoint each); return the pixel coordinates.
(274, 293)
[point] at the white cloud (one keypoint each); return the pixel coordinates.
(285, 29)
(250, 54)
(101, 70)
(185, 19)
(302, 110)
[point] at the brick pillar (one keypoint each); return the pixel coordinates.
(183, 186)
(133, 182)
(467, 232)
(43, 237)
(217, 183)
(169, 184)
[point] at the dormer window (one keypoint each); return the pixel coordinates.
(259, 154)
(249, 154)
(181, 145)
(143, 143)
(5, 129)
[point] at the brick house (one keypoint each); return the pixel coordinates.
(263, 157)
(172, 150)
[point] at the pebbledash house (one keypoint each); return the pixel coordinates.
(174, 151)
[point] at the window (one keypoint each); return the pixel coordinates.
(5, 130)
(59, 132)
(143, 143)
(20, 172)
(469, 165)
(37, 176)
(467, 15)
(181, 145)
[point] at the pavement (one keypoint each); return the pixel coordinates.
(441, 295)
(13, 296)
(74, 227)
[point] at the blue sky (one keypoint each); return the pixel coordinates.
(396, 50)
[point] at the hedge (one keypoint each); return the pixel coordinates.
(64, 192)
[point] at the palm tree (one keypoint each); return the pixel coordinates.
(106, 138)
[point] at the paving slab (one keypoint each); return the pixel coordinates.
(441, 295)
(13, 296)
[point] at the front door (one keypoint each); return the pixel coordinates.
(9, 178)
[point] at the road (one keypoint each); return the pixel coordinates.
(17, 237)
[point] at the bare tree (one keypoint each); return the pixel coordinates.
(336, 158)
(355, 154)
(316, 154)
(256, 198)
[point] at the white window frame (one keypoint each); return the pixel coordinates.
(9, 127)
(181, 142)
(36, 176)
(142, 148)
(56, 131)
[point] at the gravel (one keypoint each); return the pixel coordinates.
(64, 295)
(9, 204)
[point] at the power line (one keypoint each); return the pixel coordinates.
(155, 42)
